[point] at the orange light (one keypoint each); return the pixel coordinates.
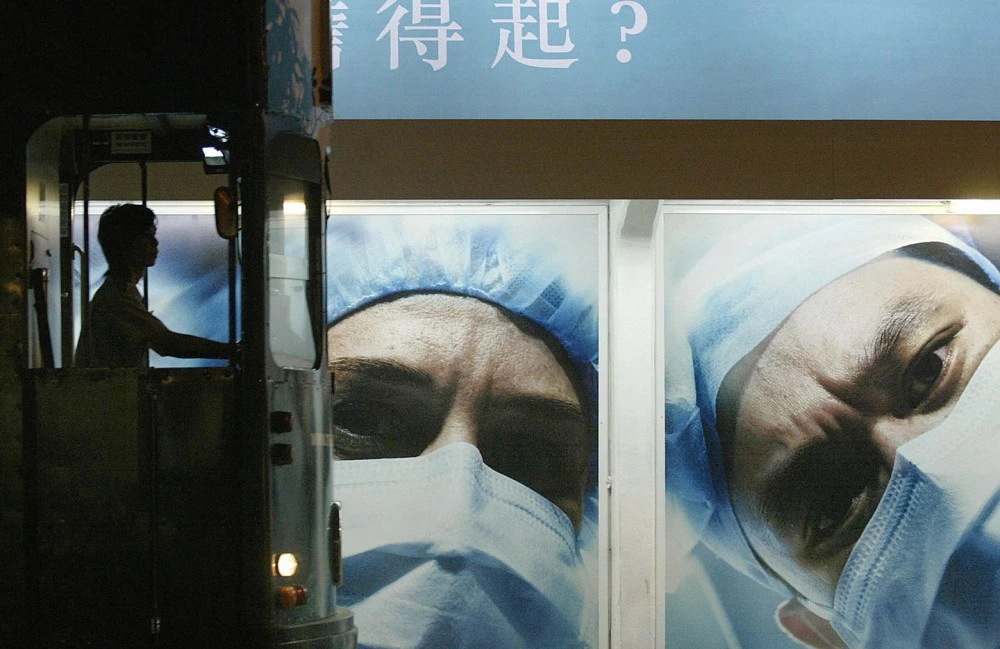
(291, 596)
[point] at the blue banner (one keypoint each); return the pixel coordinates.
(663, 59)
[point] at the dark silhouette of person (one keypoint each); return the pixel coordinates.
(118, 331)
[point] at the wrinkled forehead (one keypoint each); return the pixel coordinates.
(437, 319)
(833, 336)
(779, 374)
(747, 285)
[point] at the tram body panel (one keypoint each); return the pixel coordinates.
(136, 498)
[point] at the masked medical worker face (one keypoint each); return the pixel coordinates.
(872, 360)
(416, 373)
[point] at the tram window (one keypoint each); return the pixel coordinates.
(290, 329)
(187, 288)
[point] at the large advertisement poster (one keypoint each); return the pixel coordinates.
(464, 351)
(830, 373)
(831, 437)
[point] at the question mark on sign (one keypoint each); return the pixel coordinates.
(624, 56)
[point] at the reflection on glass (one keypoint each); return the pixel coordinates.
(289, 324)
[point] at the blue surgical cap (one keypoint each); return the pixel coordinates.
(517, 263)
(739, 292)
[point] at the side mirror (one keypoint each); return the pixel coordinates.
(226, 221)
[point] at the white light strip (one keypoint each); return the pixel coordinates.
(974, 206)
(808, 207)
(294, 208)
(161, 208)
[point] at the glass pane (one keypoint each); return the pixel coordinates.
(290, 330)
(188, 286)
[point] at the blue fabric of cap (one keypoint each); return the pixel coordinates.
(739, 292)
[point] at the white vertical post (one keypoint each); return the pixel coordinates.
(636, 444)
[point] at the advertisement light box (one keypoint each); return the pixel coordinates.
(666, 59)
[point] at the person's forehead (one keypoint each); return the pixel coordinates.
(453, 338)
(424, 319)
(830, 344)
(839, 320)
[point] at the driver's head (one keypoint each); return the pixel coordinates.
(127, 234)
(449, 331)
(820, 345)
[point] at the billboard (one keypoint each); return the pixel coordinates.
(823, 370)
(464, 350)
(665, 59)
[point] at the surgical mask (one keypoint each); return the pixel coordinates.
(441, 551)
(926, 570)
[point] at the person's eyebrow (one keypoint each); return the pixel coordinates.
(541, 406)
(785, 489)
(383, 370)
(902, 320)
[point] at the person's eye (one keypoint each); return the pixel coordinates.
(924, 372)
(831, 515)
(843, 504)
(360, 429)
(372, 424)
(546, 451)
(357, 419)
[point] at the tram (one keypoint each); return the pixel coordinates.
(172, 506)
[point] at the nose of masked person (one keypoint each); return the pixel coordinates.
(442, 551)
(552, 466)
(924, 572)
(889, 434)
(458, 426)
